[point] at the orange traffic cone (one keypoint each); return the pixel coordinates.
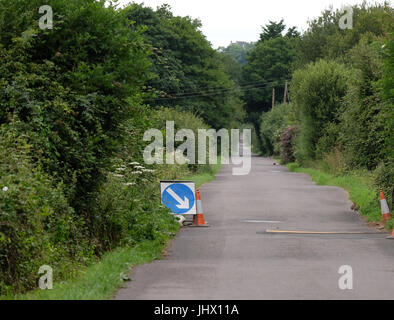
(199, 217)
(385, 208)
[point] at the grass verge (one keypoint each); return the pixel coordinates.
(100, 280)
(358, 185)
(205, 177)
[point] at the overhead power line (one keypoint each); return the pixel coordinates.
(216, 91)
(243, 85)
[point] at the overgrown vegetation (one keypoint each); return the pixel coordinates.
(75, 102)
(37, 225)
(273, 124)
(188, 72)
(112, 270)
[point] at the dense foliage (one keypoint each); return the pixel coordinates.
(268, 68)
(72, 86)
(273, 123)
(73, 111)
(317, 92)
(37, 225)
(189, 73)
(325, 40)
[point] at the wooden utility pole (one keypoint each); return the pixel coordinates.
(273, 98)
(285, 95)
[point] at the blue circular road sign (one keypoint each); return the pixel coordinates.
(179, 198)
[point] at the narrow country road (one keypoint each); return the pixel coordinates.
(236, 259)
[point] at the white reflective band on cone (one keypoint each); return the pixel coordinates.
(199, 207)
(384, 206)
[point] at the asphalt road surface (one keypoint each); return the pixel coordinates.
(237, 259)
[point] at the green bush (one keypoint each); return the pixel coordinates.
(128, 208)
(325, 40)
(72, 86)
(317, 92)
(365, 117)
(182, 120)
(273, 124)
(37, 226)
(385, 171)
(70, 101)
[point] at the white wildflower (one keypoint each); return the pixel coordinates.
(148, 170)
(5, 189)
(129, 184)
(118, 175)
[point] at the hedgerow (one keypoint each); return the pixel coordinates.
(37, 225)
(73, 183)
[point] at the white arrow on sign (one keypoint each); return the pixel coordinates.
(183, 204)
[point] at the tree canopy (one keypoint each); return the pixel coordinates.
(189, 73)
(269, 66)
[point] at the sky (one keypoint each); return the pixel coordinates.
(241, 20)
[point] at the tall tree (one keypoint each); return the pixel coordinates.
(272, 30)
(189, 73)
(269, 66)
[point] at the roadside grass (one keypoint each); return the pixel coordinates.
(357, 184)
(205, 177)
(101, 279)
